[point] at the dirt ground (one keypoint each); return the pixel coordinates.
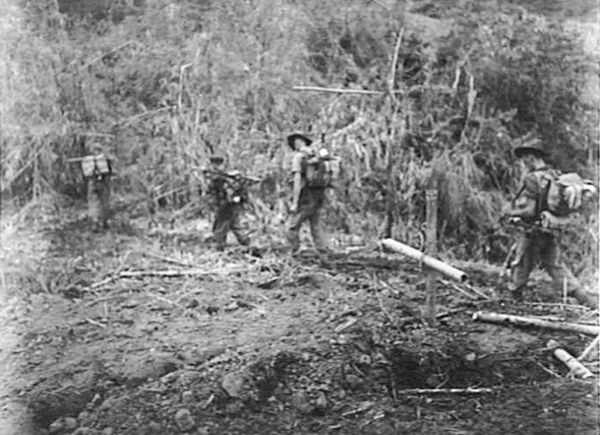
(97, 339)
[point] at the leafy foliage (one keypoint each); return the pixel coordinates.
(165, 84)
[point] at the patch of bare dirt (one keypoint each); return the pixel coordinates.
(139, 331)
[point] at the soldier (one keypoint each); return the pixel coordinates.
(229, 194)
(309, 184)
(97, 171)
(536, 244)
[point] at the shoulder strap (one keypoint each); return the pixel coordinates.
(518, 194)
(542, 202)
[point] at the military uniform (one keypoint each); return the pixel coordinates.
(310, 203)
(98, 191)
(97, 171)
(537, 245)
(229, 198)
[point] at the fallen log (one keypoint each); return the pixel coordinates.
(575, 367)
(529, 321)
(588, 350)
(432, 263)
(445, 391)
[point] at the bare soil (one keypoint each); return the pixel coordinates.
(256, 342)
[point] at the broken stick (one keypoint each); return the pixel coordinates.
(433, 263)
(529, 321)
(342, 90)
(594, 344)
(175, 273)
(446, 391)
(575, 366)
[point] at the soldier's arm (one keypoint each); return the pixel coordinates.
(525, 205)
(297, 181)
(523, 209)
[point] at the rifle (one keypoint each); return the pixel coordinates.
(234, 177)
(519, 223)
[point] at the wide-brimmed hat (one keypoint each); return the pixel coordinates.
(530, 149)
(524, 151)
(530, 145)
(292, 138)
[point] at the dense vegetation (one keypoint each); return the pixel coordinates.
(164, 84)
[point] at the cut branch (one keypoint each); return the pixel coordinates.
(446, 391)
(342, 91)
(458, 289)
(118, 47)
(588, 350)
(176, 273)
(575, 367)
(433, 263)
(528, 321)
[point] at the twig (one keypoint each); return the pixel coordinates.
(458, 289)
(94, 134)
(118, 47)
(175, 273)
(208, 401)
(143, 114)
(94, 322)
(477, 292)
(364, 407)
(168, 259)
(102, 299)
(589, 349)
(449, 313)
(546, 369)
(343, 91)
(168, 301)
(22, 169)
(559, 305)
(346, 325)
(446, 391)
(105, 281)
(528, 321)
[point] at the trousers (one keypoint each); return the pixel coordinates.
(310, 204)
(228, 218)
(99, 200)
(540, 247)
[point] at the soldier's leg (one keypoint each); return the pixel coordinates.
(315, 228)
(522, 266)
(295, 223)
(238, 228)
(221, 225)
(104, 194)
(562, 276)
(94, 205)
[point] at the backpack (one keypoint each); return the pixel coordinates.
(563, 194)
(95, 165)
(320, 171)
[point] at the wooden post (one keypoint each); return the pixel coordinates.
(431, 215)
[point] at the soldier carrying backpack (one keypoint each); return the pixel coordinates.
(312, 173)
(97, 171)
(544, 198)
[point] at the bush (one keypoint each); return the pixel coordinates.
(169, 83)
